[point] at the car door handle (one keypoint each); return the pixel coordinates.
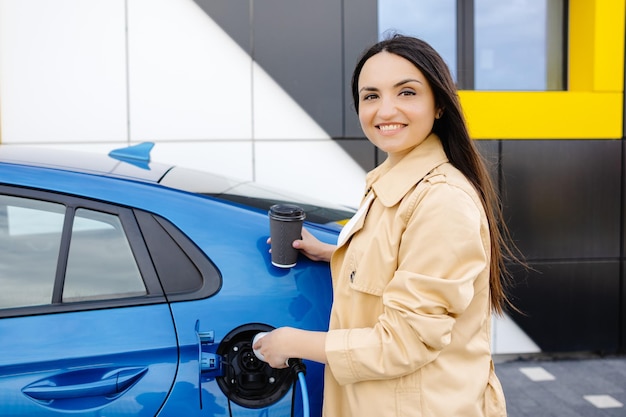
(85, 383)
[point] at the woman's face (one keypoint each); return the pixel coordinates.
(396, 104)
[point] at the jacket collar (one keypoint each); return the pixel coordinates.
(391, 183)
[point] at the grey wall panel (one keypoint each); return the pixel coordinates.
(361, 150)
(490, 151)
(233, 16)
(622, 290)
(380, 156)
(360, 30)
(623, 202)
(299, 43)
(562, 198)
(622, 295)
(570, 306)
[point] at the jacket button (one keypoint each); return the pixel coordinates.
(352, 276)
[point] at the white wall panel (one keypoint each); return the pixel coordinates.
(62, 71)
(318, 169)
(508, 338)
(188, 79)
(226, 158)
(230, 158)
(98, 148)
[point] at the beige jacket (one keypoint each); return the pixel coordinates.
(410, 325)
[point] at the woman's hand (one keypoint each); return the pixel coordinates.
(283, 343)
(270, 347)
(312, 248)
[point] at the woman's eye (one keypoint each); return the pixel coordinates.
(407, 93)
(369, 97)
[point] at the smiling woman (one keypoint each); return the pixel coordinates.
(418, 271)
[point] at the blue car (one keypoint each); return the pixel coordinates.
(131, 288)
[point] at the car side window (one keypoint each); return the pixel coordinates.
(62, 253)
(100, 263)
(44, 262)
(30, 238)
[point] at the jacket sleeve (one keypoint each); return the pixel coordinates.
(442, 252)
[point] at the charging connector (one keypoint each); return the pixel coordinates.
(297, 366)
(257, 352)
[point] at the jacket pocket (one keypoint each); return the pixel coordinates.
(362, 280)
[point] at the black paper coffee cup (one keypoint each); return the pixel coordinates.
(285, 227)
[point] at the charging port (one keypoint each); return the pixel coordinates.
(248, 381)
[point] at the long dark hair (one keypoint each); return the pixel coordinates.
(459, 148)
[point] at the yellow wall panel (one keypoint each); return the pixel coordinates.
(581, 41)
(543, 115)
(609, 66)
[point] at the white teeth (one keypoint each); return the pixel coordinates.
(385, 128)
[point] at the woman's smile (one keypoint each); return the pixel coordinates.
(390, 128)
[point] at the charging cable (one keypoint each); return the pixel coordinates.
(298, 368)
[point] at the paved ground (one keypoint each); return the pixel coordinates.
(573, 386)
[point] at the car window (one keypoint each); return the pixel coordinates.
(30, 237)
(100, 263)
(186, 272)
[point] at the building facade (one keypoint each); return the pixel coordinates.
(260, 90)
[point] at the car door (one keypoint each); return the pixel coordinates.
(84, 325)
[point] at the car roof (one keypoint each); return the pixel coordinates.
(113, 164)
(133, 163)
